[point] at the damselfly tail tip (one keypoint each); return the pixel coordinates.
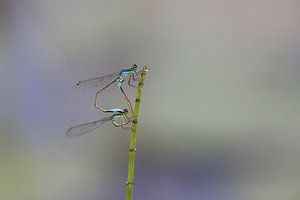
(68, 132)
(77, 84)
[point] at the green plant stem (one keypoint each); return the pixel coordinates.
(132, 146)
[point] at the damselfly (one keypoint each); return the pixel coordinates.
(132, 73)
(120, 118)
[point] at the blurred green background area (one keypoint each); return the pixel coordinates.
(219, 115)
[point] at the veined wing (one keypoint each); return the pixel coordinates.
(97, 82)
(84, 128)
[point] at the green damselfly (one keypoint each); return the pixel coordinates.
(120, 118)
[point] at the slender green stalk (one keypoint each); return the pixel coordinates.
(132, 146)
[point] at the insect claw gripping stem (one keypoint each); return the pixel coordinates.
(129, 82)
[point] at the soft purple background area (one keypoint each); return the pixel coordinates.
(220, 108)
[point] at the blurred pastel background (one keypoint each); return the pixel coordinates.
(220, 109)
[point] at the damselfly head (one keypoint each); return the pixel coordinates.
(77, 84)
(134, 66)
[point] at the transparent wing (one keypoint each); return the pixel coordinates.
(97, 82)
(84, 128)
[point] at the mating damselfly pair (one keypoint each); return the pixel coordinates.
(120, 117)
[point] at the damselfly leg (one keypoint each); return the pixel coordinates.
(134, 79)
